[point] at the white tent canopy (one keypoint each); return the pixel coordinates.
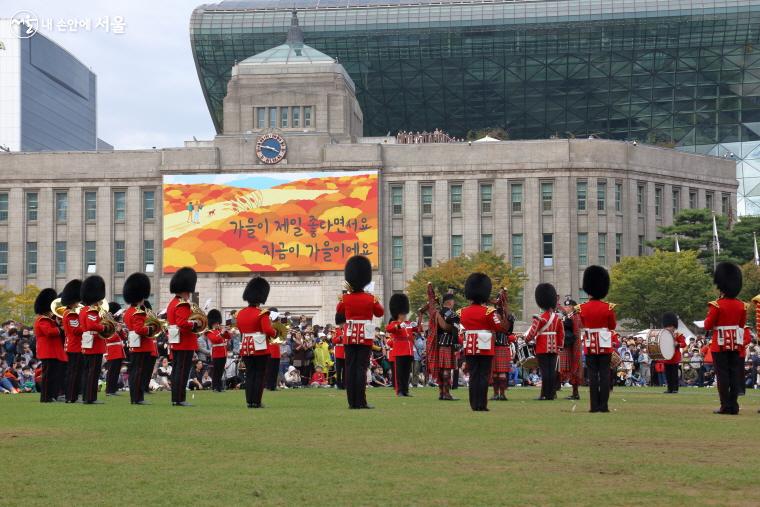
(487, 139)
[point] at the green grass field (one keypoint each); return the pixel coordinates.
(307, 447)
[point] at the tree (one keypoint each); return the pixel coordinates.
(646, 287)
(453, 273)
(18, 306)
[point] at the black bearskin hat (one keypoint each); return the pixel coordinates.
(43, 301)
(214, 317)
(728, 279)
(257, 291)
(477, 288)
(340, 319)
(448, 297)
(113, 307)
(596, 282)
(546, 296)
(93, 290)
(136, 288)
(147, 305)
(398, 304)
(70, 292)
(184, 280)
(358, 272)
(669, 319)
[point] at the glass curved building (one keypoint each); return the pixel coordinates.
(681, 73)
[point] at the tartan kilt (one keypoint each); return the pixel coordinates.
(443, 358)
(502, 360)
(570, 364)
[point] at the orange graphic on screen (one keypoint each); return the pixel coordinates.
(269, 221)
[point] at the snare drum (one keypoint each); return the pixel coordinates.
(661, 344)
(526, 356)
(615, 361)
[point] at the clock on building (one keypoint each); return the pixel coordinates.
(271, 148)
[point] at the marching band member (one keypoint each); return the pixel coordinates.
(140, 337)
(218, 339)
(599, 322)
(479, 323)
(502, 358)
(256, 328)
(183, 341)
(273, 364)
(670, 322)
(725, 319)
(49, 345)
(150, 362)
(548, 333)
(114, 353)
(571, 353)
(402, 333)
(339, 350)
(358, 307)
(443, 359)
(93, 343)
(73, 346)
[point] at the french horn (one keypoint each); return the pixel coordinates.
(198, 315)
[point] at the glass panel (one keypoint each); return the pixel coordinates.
(427, 251)
(149, 205)
(31, 258)
(118, 254)
(427, 200)
(272, 117)
(658, 202)
(397, 200)
(618, 247)
(517, 196)
(31, 206)
(398, 253)
(261, 117)
(60, 257)
(486, 196)
(619, 197)
(517, 250)
(601, 195)
(3, 207)
(3, 258)
(582, 189)
(119, 206)
(296, 111)
(61, 206)
(90, 206)
(602, 248)
(456, 200)
(486, 242)
(307, 112)
(547, 194)
(456, 245)
(284, 117)
(548, 250)
(90, 257)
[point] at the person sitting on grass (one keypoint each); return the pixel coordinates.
(378, 380)
(27, 380)
(318, 379)
(163, 375)
(196, 377)
(292, 377)
(6, 386)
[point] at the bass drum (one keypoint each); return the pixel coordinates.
(661, 344)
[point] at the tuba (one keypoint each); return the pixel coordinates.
(198, 315)
(108, 320)
(159, 325)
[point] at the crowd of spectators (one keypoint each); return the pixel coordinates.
(436, 136)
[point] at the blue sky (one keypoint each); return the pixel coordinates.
(259, 180)
(148, 90)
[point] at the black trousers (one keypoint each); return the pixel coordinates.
(403, 369)
(138, 363)
(51, 375)
(547, 364)
(340, 371)
(255, 368)
(112, 375)
(217, 371)
(598, 366)
(182, 361)
(74, 376)
(92, 365)
(671, 374)
(150, 363)
(729, 370)
(273, 371)
(357, 363)
(480, 372)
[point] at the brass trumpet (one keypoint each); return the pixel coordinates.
(198, 315)
(108, 320)
(153, 321)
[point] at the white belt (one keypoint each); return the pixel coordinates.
(548, 333)
(218, 344)
(360, 322)
(722, 330)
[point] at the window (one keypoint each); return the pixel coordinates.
(149, 205)
(307, 116)
(119, 206)
(725, 208)
(296, 117)
(582, 248)
(692, 199)
(284, 117)
(90, 206)
(427, 200)
(89, 257)
(581, 192)
(486, 242)
(602, 245)
(640, 199)
(517, 250)
(31, 257)
(118, 255)
(61, 206)
(517, 195)
(709, 200)
(4, 207)
(658, 202)
(548, 250)
(486, 197)
(397, 200)
(60, 257)
(547, 194)
(398, 253)
(618, 247)
(261, 117)
(149, 256)
(31, 206)
(3, 258)
(676, 201)
(641, 246)
(272, 117)
(456, 245)
(427, 251)
(601, 195)
(619, 197)
(119, 298)
(455, 192)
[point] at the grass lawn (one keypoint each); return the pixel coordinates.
(306, 447)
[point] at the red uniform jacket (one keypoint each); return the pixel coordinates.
(728, 313)
(680, 342)
(177, 314)
(479, 318)
(551, 336)
(89, 319)
(115, 346)
(747, 340)
(134, 319)
(218, 341)
(252, 320)
(274, 350)
(596, 314)
(73, 332)
(358, 306)
(402, 336)
(49, 339)
(340, 352)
